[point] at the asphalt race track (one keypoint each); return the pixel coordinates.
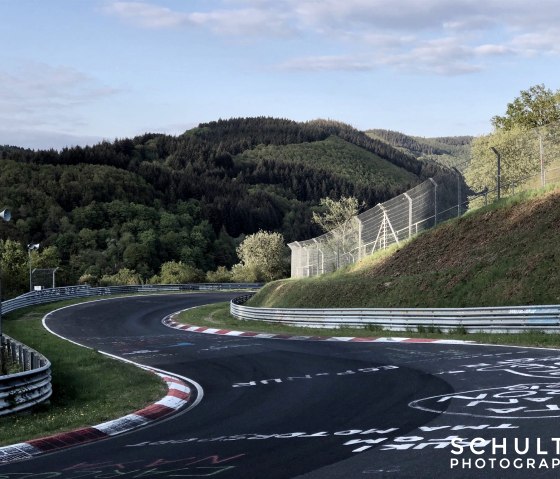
(311, 409)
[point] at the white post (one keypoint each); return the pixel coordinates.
(360, 230)
(541, 153)
(409, 214)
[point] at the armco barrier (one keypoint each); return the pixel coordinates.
(69, 292)
(29, 387)
(32, 385)
(496, 320)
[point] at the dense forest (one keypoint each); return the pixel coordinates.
(137, 203)
(452, 151)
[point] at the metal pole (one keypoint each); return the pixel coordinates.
(5, 215)
(541, 152)
(29, 261)
(360, 230)
(458, 191)
(409, 214)
(499, 176)
(31, 247)
(53, 278)
(435, 201)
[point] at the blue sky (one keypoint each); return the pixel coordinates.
(78, 71)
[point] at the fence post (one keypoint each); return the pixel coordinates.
(541, 154)
(360, 230)
(499, 168)
(409, 214)
(459, 176)
(435, 200)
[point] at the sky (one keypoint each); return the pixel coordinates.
(75, 72)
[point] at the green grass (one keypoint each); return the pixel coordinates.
(88, 388)
(217, 316)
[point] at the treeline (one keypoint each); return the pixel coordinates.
(420, 147)
(138, 203)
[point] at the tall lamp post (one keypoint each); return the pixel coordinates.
(5, 215)
(31, 247)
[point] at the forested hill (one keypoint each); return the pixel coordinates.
(449, 151)
(139, 202)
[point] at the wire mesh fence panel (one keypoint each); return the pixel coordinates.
(43, 278)
(377, 228)
(510, 161)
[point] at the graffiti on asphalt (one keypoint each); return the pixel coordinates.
(348, 372)
(360, 439)
(520, 401)
(207, 466)
(548, 367)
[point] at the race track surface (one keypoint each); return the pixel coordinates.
(310, 409)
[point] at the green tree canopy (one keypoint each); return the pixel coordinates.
(262, 253)
(338, 218)
(526, 137)
(538, 106)
(124, 276)
(336, 213)
(177, 272)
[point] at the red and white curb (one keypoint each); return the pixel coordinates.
(170, 322)
(178, 396)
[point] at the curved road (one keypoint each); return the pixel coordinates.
(311, 409)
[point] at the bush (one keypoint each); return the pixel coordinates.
(221, 275)
(262, 256)
(246, 274)
(124, 276)
(174, 272)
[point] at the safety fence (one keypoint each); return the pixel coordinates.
(506, 319)
(401, 217)
(31, 384)
(506, 162)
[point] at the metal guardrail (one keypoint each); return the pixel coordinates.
(497, 320)
(29, 387)
(32, 385)
(69, 292)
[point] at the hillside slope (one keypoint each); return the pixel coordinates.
(338, 157)
(449, 151)
(139, 202)
(504, 254)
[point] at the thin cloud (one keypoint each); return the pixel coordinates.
(236, 22)
(38, 94)
(327, 63)
(431, 36)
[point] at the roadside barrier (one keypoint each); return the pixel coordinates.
(506, 319)
(70, 292)
(28, 387)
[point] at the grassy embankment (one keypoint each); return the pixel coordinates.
(503, 254)
(88, 388)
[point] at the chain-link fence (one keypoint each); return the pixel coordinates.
(377, 228)
(502, 164)
(42, 278)
(507, 162)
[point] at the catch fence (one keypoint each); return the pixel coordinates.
(388, 223)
